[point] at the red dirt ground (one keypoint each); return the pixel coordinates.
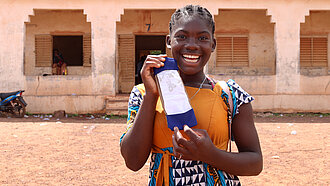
(80, 151)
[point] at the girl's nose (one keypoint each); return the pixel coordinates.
(191, 44)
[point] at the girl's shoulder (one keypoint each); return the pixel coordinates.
(136, 95)
(238, 94)
(234, 88)
(140, 88)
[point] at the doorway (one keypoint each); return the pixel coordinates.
(71, 48)
(146, 45)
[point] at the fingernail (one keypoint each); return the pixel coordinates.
(162, 64)
(163, 59)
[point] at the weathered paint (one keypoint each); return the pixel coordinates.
(276, 80)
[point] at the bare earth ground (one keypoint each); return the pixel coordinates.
(80, 151)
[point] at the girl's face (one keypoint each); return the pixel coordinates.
(192, 43)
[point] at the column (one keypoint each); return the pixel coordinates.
(103, 34)
(287, 47)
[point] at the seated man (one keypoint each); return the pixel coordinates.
(59, 66)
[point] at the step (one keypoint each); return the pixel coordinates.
(116, 105)
(118, 97)
(116, 111)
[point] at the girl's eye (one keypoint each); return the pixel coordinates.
(181, 37)
(203, 38)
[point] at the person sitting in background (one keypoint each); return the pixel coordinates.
(59, 66)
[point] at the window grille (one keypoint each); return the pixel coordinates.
(232, 51)
(314, 51)
(43, 50)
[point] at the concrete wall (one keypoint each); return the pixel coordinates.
(100, 82)
(71, 93)
(256, 25)
(284, 89)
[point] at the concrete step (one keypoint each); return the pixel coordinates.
(116, 111)
(116, 105)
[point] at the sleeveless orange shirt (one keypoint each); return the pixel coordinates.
(211, 115)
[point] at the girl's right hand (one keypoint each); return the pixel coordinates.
(147, 72)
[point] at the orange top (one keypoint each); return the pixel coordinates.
(211, 115)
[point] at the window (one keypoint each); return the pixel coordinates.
(232, 51)
(76, 50)
(71, 47)
(313, 51)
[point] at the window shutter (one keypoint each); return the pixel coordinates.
(43, 50)
(240, 51)
(232, 51)
(313, 51)
(224, 51)
(126, 59)
(306, 51)
(320, 52)
(87, 50)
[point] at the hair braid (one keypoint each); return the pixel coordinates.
(191, 10)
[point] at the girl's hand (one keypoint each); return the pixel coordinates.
(197, 148)
(147, 73)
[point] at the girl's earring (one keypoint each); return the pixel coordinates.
(168, 46)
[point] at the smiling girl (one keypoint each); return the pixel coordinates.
(195, 155)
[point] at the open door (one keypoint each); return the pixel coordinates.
(145, 45)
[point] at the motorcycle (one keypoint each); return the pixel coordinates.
(13, 103)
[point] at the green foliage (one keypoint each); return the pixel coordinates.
(112, 116)
(73, 115)
(28, 113)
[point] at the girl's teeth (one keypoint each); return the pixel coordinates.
(191, 60)
(191, 56)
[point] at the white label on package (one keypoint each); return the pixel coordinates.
(174, 95)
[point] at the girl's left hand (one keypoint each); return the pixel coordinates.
(198, 147)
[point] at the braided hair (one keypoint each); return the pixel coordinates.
(191, 10)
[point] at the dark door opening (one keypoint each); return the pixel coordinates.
(71, 48)
(145, 45)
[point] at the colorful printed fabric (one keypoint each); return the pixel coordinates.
(134, 102)
(184, 172)
(239, 95)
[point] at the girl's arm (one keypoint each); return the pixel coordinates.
(136, 144)
(247, 162)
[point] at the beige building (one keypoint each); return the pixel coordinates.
(277, 50)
